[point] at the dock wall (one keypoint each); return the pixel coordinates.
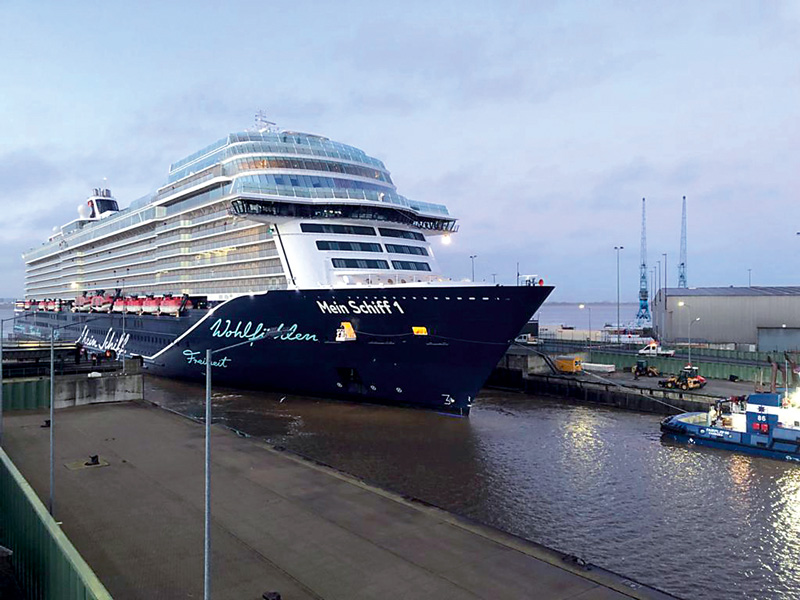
(656, 401)
(33, 393)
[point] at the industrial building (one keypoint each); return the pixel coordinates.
(746, 318)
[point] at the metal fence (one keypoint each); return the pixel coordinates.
(46, 563)
(26, 394)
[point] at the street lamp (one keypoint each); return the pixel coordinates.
(472, 257)
(618, 248)
(269, 333)
(52, 406)
(582, 306)
(689, 328)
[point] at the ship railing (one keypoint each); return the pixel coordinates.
(247, 185)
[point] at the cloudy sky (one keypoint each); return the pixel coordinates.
(541, 125)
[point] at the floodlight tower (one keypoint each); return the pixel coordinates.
(643, 318)
(682, 264)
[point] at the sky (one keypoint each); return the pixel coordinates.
(541, 125)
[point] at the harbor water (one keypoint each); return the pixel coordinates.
(594, 482)
(598, 315)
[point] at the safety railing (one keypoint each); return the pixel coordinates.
(47, 565)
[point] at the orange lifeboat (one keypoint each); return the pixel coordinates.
(170, 305)
(102, 302)
(83, 303)
(134, 304)
(150, 305)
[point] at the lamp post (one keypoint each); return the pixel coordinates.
(690, 338)
(124, 310)
(618, 248)
(689, 327)
(472, 257)
(749, 279)
(583, 306)
(268, 333)
(51, 501)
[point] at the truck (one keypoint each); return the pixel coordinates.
(655, 349)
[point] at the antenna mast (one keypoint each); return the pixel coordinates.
(643, 314)
(682, 264)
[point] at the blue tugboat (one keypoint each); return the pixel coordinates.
(761, 424)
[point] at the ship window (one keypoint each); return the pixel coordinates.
(400, 233)
(349, 246)
(344, 229)
(359, 263)
(410, 265)
(403, 249)
(106, 205)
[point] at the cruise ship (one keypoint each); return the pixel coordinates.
(294, 259)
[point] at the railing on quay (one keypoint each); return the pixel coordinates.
(715, 364)
(574, 345)
(47, 565)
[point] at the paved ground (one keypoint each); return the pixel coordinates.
(714, 387)
(279, 522)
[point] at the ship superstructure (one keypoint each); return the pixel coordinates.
(281, 232)
(252, 212)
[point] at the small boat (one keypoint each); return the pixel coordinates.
(102, 302)
(150, 305)
(82, 303)
(172, 305)
(762, 424)
(134, 305)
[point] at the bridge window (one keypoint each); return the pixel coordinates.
(410, 265)
(403, 249)
(359, 263)
(344, 229)
(349, 246)
(400, 233)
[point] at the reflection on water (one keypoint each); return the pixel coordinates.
(591, 481)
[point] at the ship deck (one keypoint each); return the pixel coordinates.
(279, 522)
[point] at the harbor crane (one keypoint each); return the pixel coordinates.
(643, 318)
(682, 264)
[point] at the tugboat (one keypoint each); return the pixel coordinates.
(762, 424)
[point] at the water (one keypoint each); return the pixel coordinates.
(600, 313)
(590, 481)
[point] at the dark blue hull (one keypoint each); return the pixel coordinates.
(468, 331)
(713, 437)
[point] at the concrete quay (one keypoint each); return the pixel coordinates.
(280, 522)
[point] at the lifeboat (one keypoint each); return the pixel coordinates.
(52, 305)
(150, 305)
(83, 303)
(170, 305)
(27, 305)
(119, 305)
(134, 305)
(102, 302)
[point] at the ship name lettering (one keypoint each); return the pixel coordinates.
(193, 358)
(370, 307)
(111, 341)
(332, 308)
(363, 307)
(252, 333)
